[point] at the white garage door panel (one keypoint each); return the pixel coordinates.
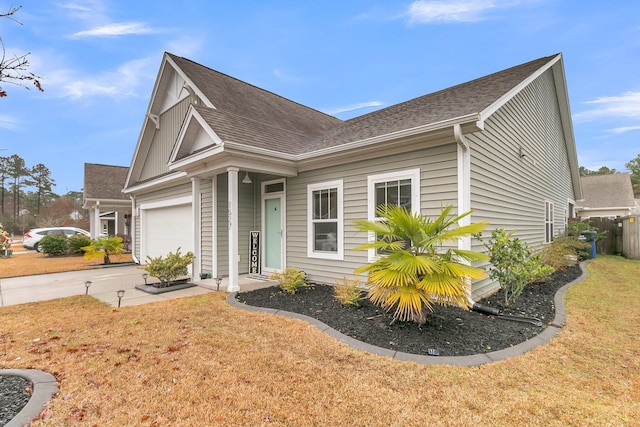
(167, 229)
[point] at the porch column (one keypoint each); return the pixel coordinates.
(232, 196)
(95, 232)
(197, 227)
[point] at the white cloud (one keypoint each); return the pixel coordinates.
(123, 81)
(427, 11)
(117, 29)
(626, 105)
(8, 122)
(623, 129)
(354, 107)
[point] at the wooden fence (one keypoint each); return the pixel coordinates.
(631, 237)
(609, 235)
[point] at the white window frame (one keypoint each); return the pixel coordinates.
(372, 180)
(548, 221)
(311, 252)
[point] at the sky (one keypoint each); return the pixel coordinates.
(98, 61)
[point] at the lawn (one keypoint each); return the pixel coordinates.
(197, 361)
(32, 262)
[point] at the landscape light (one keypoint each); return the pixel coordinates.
(145, 276)
(218, 281)
(86, 286)
(120, 294)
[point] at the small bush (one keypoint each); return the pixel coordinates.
(291, 280)
(53, 244)
(76, 242)
(348, 292)
(565, 251)
(514, 264)
(170, 268)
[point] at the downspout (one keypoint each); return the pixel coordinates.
(132, 229)
(464, 190)
(464, 205)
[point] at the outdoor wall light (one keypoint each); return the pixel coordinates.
(145, 276)
(246, 179)
(120, 294)
(218, 281)
(86, 286)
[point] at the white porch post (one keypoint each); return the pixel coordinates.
(196, 221)
(232, 196)
(96, 221)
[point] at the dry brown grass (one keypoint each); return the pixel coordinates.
(199, 362)
(32, 262)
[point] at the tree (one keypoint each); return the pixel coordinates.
(634, 168)
(602, 171)
(13, 69)
(4, 174)
(42, 181)
(17, 171)
(415, 269)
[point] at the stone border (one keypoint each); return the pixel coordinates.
(44, 387)
(473, 360)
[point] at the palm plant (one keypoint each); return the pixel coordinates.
(104, 247)
(415, 270)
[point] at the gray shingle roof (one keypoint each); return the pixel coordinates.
(605, 191)
(249, 115)
(104, 182)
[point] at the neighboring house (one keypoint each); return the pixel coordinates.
(219, 159)
(109, 208)
(607, 196)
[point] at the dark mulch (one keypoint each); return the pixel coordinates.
(15, 393)
(451, 331)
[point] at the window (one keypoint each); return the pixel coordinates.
(400, 188)
(324, 210)
(548, 222)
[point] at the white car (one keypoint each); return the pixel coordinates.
(32, 237)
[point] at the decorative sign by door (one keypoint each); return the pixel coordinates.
(254, 252)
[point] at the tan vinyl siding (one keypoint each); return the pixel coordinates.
(156, 162)
(438, 188)
(206, 226)
(509, 191)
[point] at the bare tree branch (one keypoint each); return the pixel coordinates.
(13, 69)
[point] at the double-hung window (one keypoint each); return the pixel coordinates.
(401, 188)
(325, 228)
(548, 222)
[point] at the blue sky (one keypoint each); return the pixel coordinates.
(99, 59)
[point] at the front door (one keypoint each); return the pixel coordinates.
(273, 226)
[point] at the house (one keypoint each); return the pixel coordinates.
(252, 182)
(607, 196)
(109, 208)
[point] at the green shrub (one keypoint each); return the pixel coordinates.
(104, 247)
(76, 242)
(565, 251)
(291, 280)
(168, 269)
(514, 264)
(348, 292)
(53, 244)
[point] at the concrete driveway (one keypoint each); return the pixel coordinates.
(105, 282)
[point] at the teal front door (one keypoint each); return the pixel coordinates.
(273, 234)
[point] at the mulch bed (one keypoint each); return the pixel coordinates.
(449, 331)
(15, 393)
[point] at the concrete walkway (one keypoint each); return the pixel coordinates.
(105, 282)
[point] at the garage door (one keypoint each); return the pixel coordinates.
(166, 229)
